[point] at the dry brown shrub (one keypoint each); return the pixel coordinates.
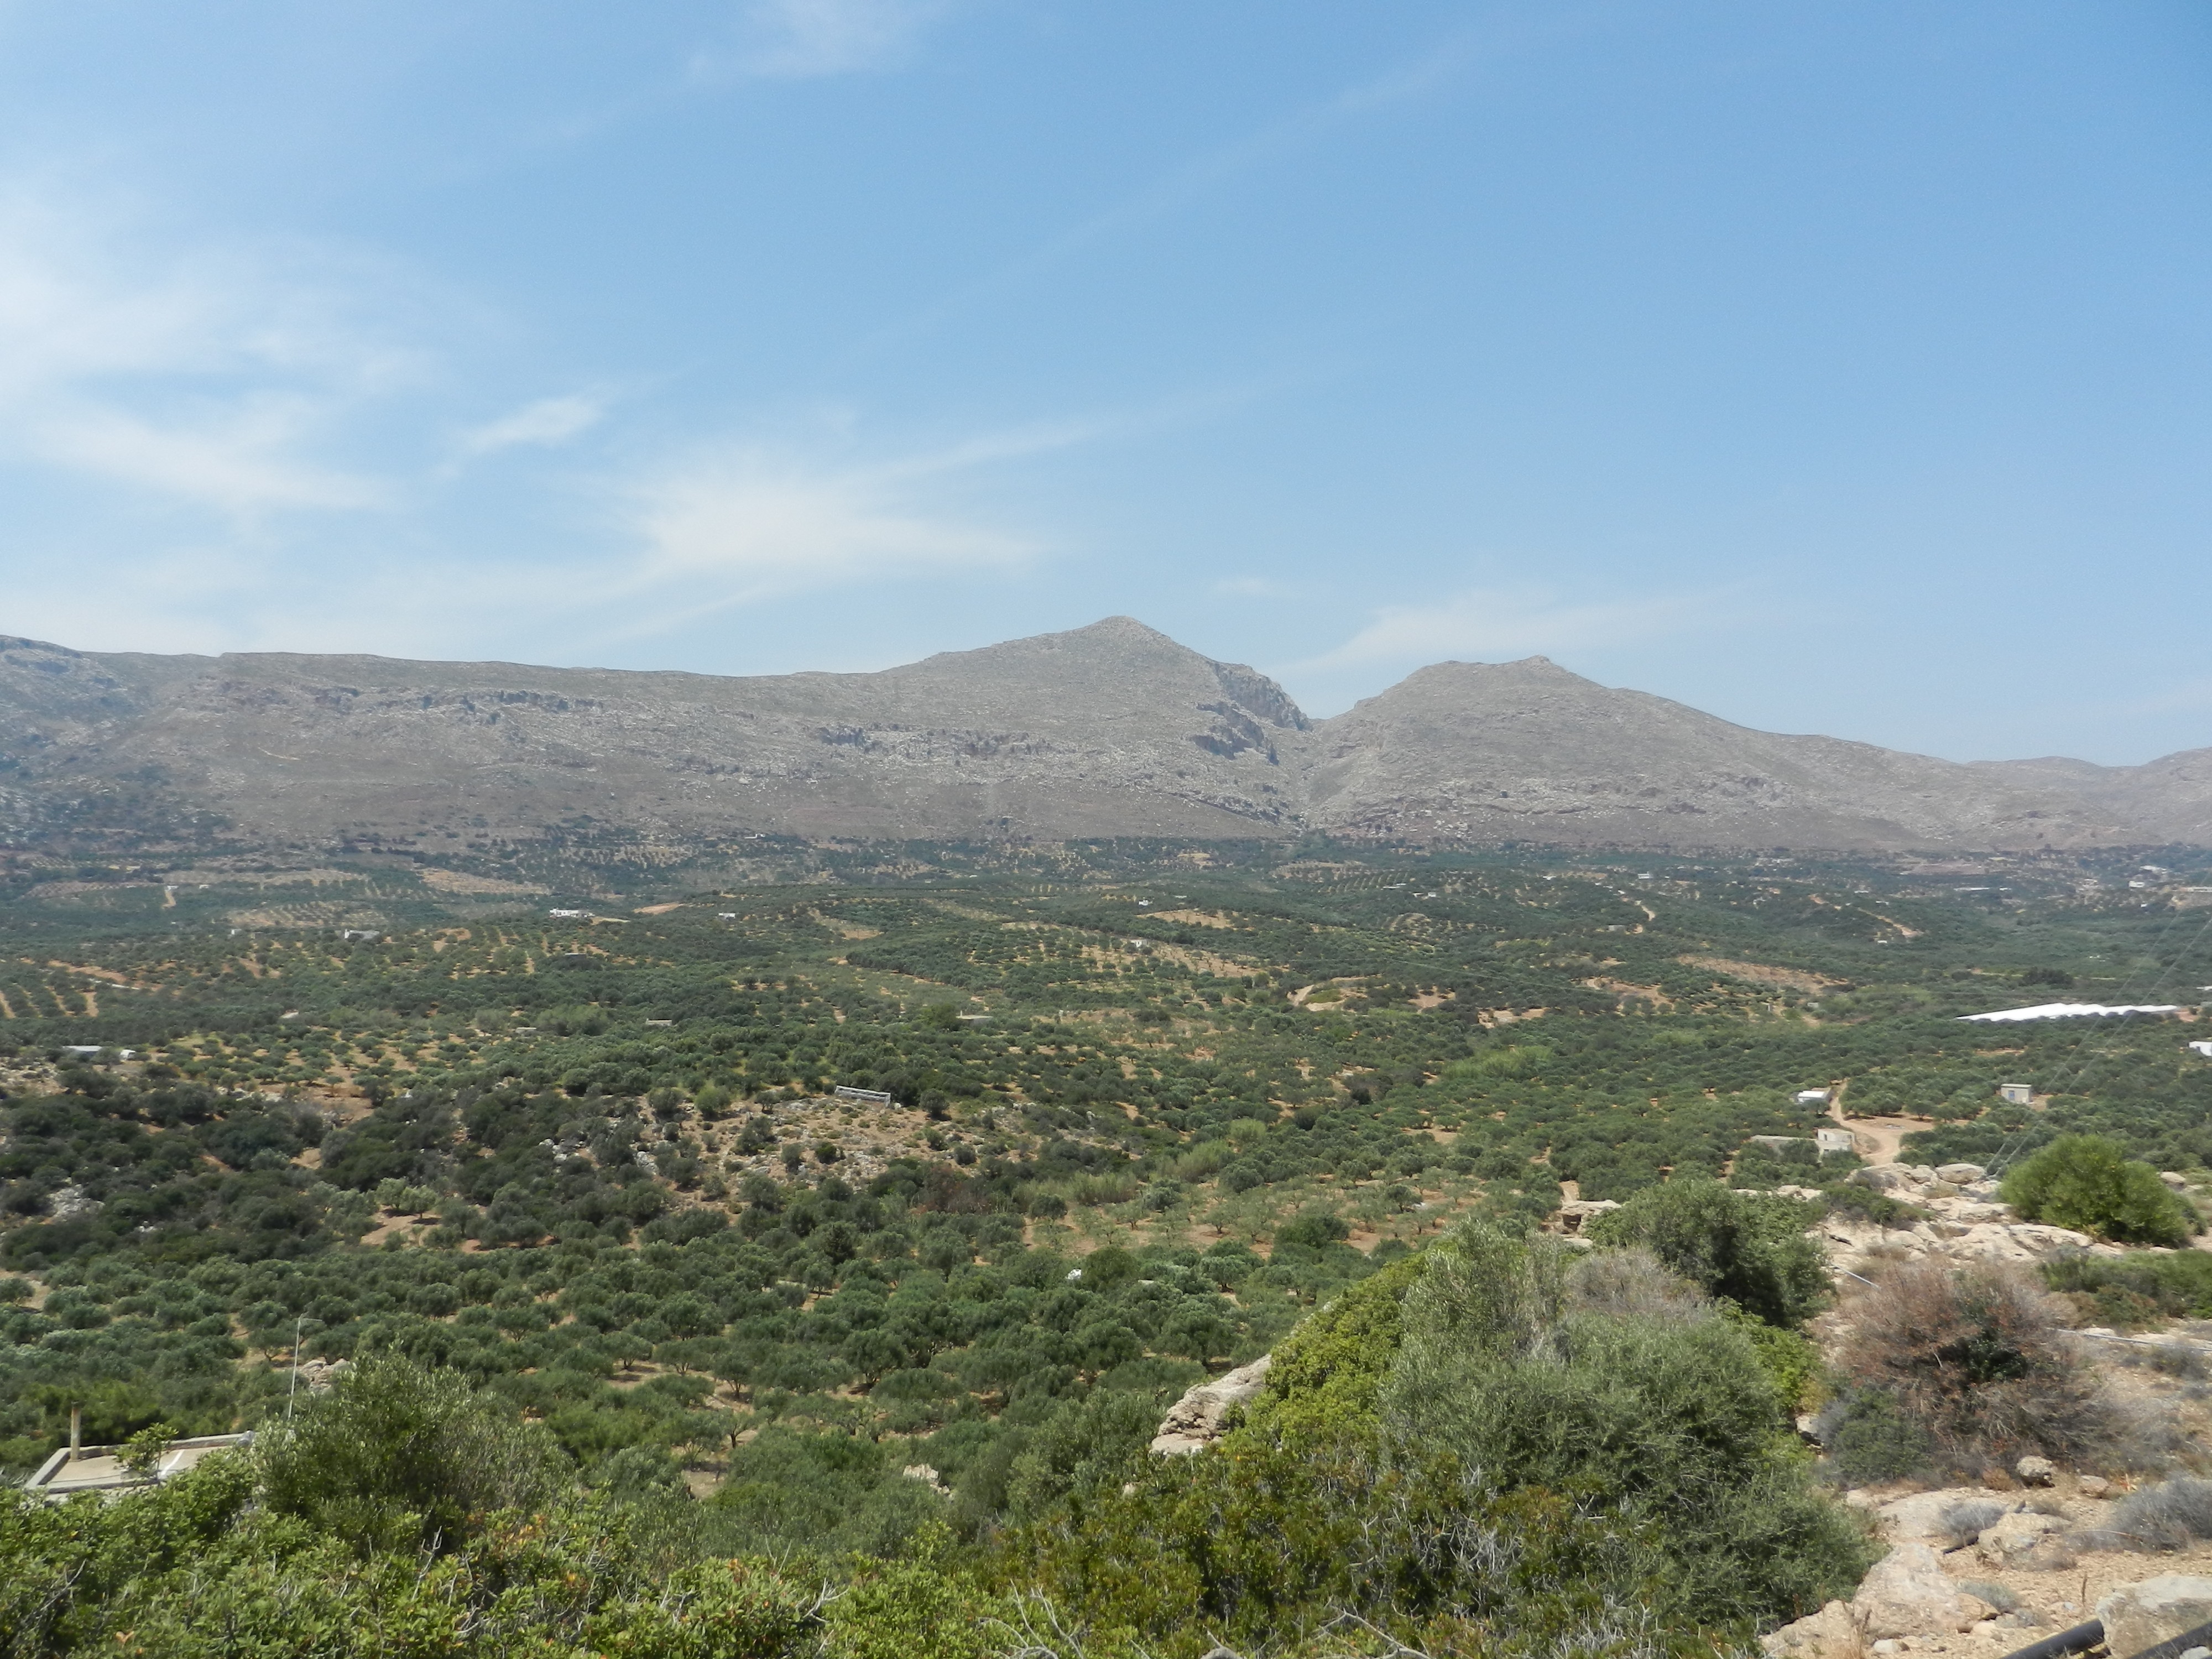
(1976, 1356)
(1632, 1283)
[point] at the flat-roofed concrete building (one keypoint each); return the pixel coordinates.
(101, 1468)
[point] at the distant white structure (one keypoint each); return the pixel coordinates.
(2017, 1094)
(1812, 1097)
(101, 1468)
(2203, 1049)
(2074, 1011)
(1835, 1141)
(881, 1096)
(568, 915)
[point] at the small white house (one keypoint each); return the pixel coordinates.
(2203, 1049)
(1812, 1097)
(2017, 1094)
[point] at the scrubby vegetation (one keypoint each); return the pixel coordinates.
(2131, 1291)
(1492, 1444)
(574, 1196)
(1962, 1370)
(2170, 1515)
(2089, 1183)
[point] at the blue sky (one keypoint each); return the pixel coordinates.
(1835, 367)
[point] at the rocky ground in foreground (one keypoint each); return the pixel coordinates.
(1993, 1568)
(1981, 1569)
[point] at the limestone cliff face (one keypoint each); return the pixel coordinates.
(1109, 730)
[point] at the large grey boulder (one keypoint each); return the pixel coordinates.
(2017, 1536)
(1195, 1422)
(1918, 1517)
(1833, 1630)
(1909, 1593)
(2139, 1616)
(1882, 1177)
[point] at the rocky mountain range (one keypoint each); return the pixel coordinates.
(1113, 730)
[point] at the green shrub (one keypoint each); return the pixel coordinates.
(2090, 1184)
(1792, 1363)
(1493, 1446)
(1668, 1422)
(1751, 1249)
(1869, 1439)
(1085, 1447)
(1335, 1361)
(1267, 1541)
(193, 1568)
(399, 1456)
(2135, 1291)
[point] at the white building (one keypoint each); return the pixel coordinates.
(101, 1468)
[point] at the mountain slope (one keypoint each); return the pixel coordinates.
(1528, 751)
(1113, 730)
(2168, 799)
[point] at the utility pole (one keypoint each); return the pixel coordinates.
(77, 1432)
(298, 1325)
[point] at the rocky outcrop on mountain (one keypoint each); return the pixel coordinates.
(1113, 730)
(1528, 751)
(2168, 799)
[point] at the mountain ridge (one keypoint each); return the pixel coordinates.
(1111, 730)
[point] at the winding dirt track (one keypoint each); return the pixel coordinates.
(1878, 1136)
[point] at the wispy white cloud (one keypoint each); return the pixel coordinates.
(546, 421)
(1491, 624)
(241, 458)
(207, 374)
(746, 524)
(804, 39)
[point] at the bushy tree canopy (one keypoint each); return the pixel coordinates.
(2089, 1183)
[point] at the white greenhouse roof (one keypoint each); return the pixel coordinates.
(2076, 1010)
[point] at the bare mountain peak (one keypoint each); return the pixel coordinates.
(1118, 659)
(1111, 729)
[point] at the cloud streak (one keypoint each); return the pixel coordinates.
(808, 40)
(1492, 624)
(746, 524)
(206, 376)
(542, 424)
